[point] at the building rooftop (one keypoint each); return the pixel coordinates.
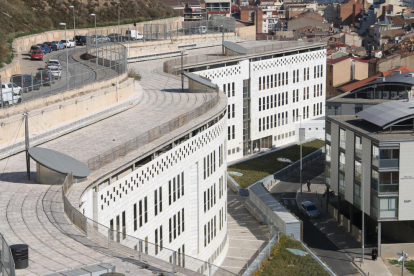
(337, 60)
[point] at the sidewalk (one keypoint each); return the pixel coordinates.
(337, 233)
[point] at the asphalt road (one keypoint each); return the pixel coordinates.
(285, 191)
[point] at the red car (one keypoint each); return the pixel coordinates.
(36, 55)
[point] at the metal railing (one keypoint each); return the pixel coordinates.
(108, 156)
(263, 253)
(6, 259)
(173, 66)
(21, 88)
(135, 247)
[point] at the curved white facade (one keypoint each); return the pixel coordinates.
(180, 196)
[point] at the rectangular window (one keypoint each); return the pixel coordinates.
(208, 232)
(205, 235)
(182, 184)
(214, 193)
(123, 226)
(260, 104)
(160, 197)
(175, 226)
(205, 202)
(267, 122)
(341, 183)
(271, 101)
(208, 199)
(169, 183)
(304, 74)
(275, 79)
(179, 223)
(308, 73)
(174, 189)
(271, 81)
(294, 76)
(267, 82)
(228, 111)
(388, 207)
(178, 187)
(234, 132)
(140, 213)
(304, 93)
(307, 92)
(283, 98)
(233, 112)
(208, 165)
(146, 245)
(279, 79)
(161, 237)
(287, 96)
(358, 171)
(297, 75)
(287, 78)
(135, 218)
(156, 241)
(260, 83)
(212, 198)
(182, 220)
(228, 136)
(267, 102)
(260, 124)
(170, 230)
(232, 89)
(321, 71)
(214, 226)
(342, 161)
(219, 220)
(145, 210)
(283, 78)
(155, 203)
(224, 88)
(264, 103)
(342, 138)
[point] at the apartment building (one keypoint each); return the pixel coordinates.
(368, 160)
(269, 94)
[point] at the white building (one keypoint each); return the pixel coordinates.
(267, 94)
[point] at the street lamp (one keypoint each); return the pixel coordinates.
(363, 211)
(402, 258)
(67, 57)
(74, 26)
(119, 7)
(301, 139)
(96, 42)
(222, 40)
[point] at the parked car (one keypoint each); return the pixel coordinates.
(80, 40)
(46, 48)
(117, 38)
(59, 44)
(35, 47)
(26, 82)
(42, 48)
(53, 63)
(9, 98)
(10, 87)
(133, 35)
(37, 54)
(44, 77)
(309, 210)
(51, 45)
(68, 43)
(56, 72)
(192, 31)
(100, 38)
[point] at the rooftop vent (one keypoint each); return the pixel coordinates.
(381, 79)
(397, 72)
(411, 75)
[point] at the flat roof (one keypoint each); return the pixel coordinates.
(59, 162)
(235, 47)
(388, 113)
(396, 78)
(200, 80)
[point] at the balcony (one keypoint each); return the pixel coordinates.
(358, 153)
(388, 163)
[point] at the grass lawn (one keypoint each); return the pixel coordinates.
(255, 169)
(283, 262)
(408, 265)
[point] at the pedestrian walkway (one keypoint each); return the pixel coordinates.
(338, 234)
(246, 235)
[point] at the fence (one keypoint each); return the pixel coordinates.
(137, 248)
(173, 66)
(6, 259)
(162, 31)
(108, 156)
(111, 62)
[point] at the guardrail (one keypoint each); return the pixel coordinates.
(108, 156)
(135, 247)
(6, 259)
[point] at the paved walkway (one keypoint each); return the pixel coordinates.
(246, 235)
(338, 234)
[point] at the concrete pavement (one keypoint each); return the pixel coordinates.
(338, 234)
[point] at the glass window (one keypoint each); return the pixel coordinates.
(342, 161)
(341, 183)
(374, 180)
(375, 156)
(388, 182)
(327, 174)
(328, 153)
(358, 146)
(389, 158)
(328, 131)
(357, 194)
(342, 138)
(358, 171)
(388, 207)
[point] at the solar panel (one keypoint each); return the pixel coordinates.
(386, 113)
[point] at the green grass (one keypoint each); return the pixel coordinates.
(255, 169)
(283, 262)
(408, 265)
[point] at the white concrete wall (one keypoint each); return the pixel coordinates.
(135, 186)
(406, 187)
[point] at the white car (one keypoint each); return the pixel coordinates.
(55, 71)
(53, 63)
(68, 43)
(7, 87)
(9, 98)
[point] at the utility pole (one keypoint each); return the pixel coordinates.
(301, 139)
(363, 212)
(26, 138)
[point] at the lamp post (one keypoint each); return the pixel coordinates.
(363, 212)
(301, 138)
(96, 42)
(402, 258)
(74, 26)
(67, 57)
(119, 14)
(222, 40)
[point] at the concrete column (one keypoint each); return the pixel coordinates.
(351, 217)
(339, 204)
(379, 239)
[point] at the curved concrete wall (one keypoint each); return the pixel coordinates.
(197, 170)
(53, 114)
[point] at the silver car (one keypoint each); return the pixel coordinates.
(309, 210)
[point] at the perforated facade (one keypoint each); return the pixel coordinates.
(268, 96)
